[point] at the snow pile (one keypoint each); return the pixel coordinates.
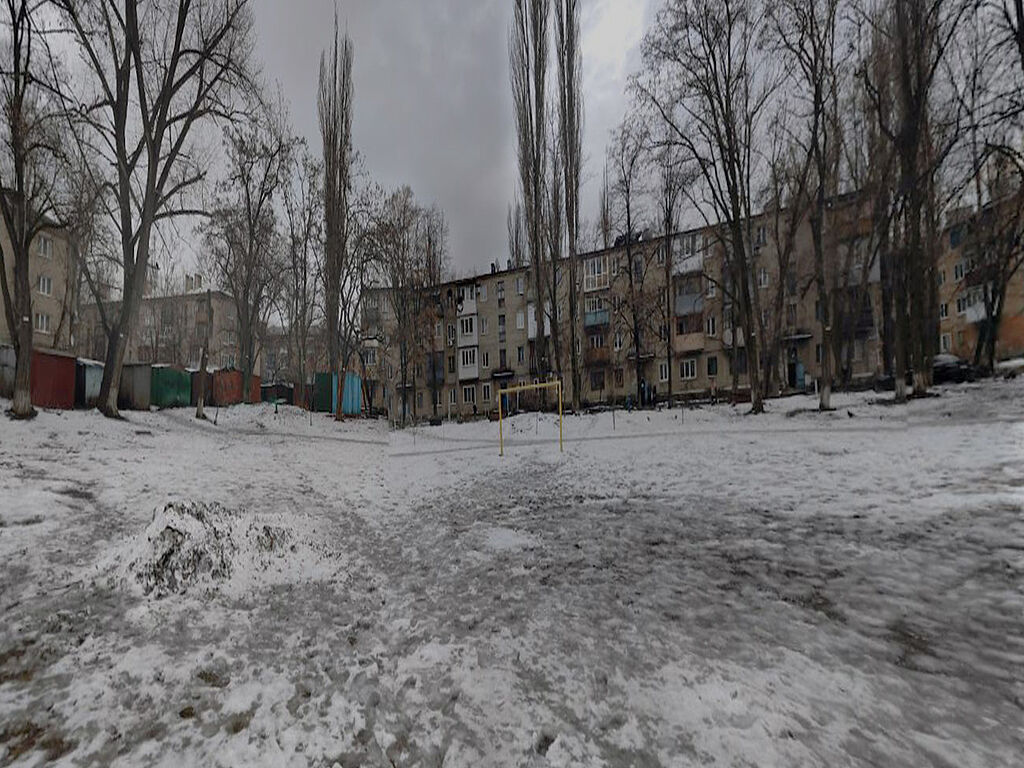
(198, 545)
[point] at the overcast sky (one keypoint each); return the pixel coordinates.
(433, 106)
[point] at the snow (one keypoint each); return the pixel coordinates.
(678, 587)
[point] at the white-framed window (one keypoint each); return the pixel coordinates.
(618, 341)
(663, 371)
(711, 326)
(597, 341)
(595, 273)
(520, 354)
(451, 333)
(760, 235)
(370, 356)
(41, 322)
(481, 292)
(946, 342)
(485, 359)
(958, 271)
(453, 396)
(520, 285)
(593, 304)
(469, 395)
(520, 320)
(688, 368)
(712, 288)
(466, 326)
(486, 394)
(943, 310)
(961, 304)
(45, 285)
(45, 246)
(468, 357)
(762, 278)
(500, 293)
(942, 277)
(483, 326)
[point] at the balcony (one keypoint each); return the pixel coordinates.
(796, 334)
(596, 357)
(689, 304)
(727, 337)
(469, 372)
(466, 305)
(688, 342)
(598, 318)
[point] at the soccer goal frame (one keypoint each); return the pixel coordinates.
(528, 388)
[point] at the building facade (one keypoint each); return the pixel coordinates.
(657, 320)
(170, 329)
(52, 276)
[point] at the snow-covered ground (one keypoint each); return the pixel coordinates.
(679, 588)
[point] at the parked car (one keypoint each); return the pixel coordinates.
(950, 368)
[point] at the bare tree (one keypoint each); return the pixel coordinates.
(672, 178)
(528, 63)
(922, 131)
(28, 171)
(806, 32)
(242, 236)
(391, 238)
(570, 139)
(626, 156)
(704, 80)
(335, 111)
(516, 235)
(604, 214)
(303, 205)
(155, 73)
(554, 232)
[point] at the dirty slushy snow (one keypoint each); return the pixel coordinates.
(692, 587)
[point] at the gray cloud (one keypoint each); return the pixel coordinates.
(432, 100)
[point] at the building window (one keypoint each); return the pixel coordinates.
(712, 326)
(468, 357)
(485, 359)
(687, 369)
(618, 340)
(961, 304)
(370, 356)
(520, 354)
(712, 366)
(451, 364)
(451, 334)
(597, 380)
(942, 277)
(502, 359)
(45, 285)
(593, 304)
(662, 371)
(520, 320)
(762, 278)
(481, 292)
(597, 341)
(958, 271)
(943, 310)
(486, 393)
(711, 288)
(466, 326)
(45, 246)
(500, 293)
(469, 395)
(41, 322)
(761, 235)
(483, 326)
(595, 273)
(520, 285)
(452, 397)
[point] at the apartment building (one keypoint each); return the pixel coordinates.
(170, 329)
(657, 319)
(963, 274)
(52, 277)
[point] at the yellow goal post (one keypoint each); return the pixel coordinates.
(557, 384)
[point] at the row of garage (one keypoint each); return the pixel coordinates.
(60, 380)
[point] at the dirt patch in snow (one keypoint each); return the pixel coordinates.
(193, 544)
